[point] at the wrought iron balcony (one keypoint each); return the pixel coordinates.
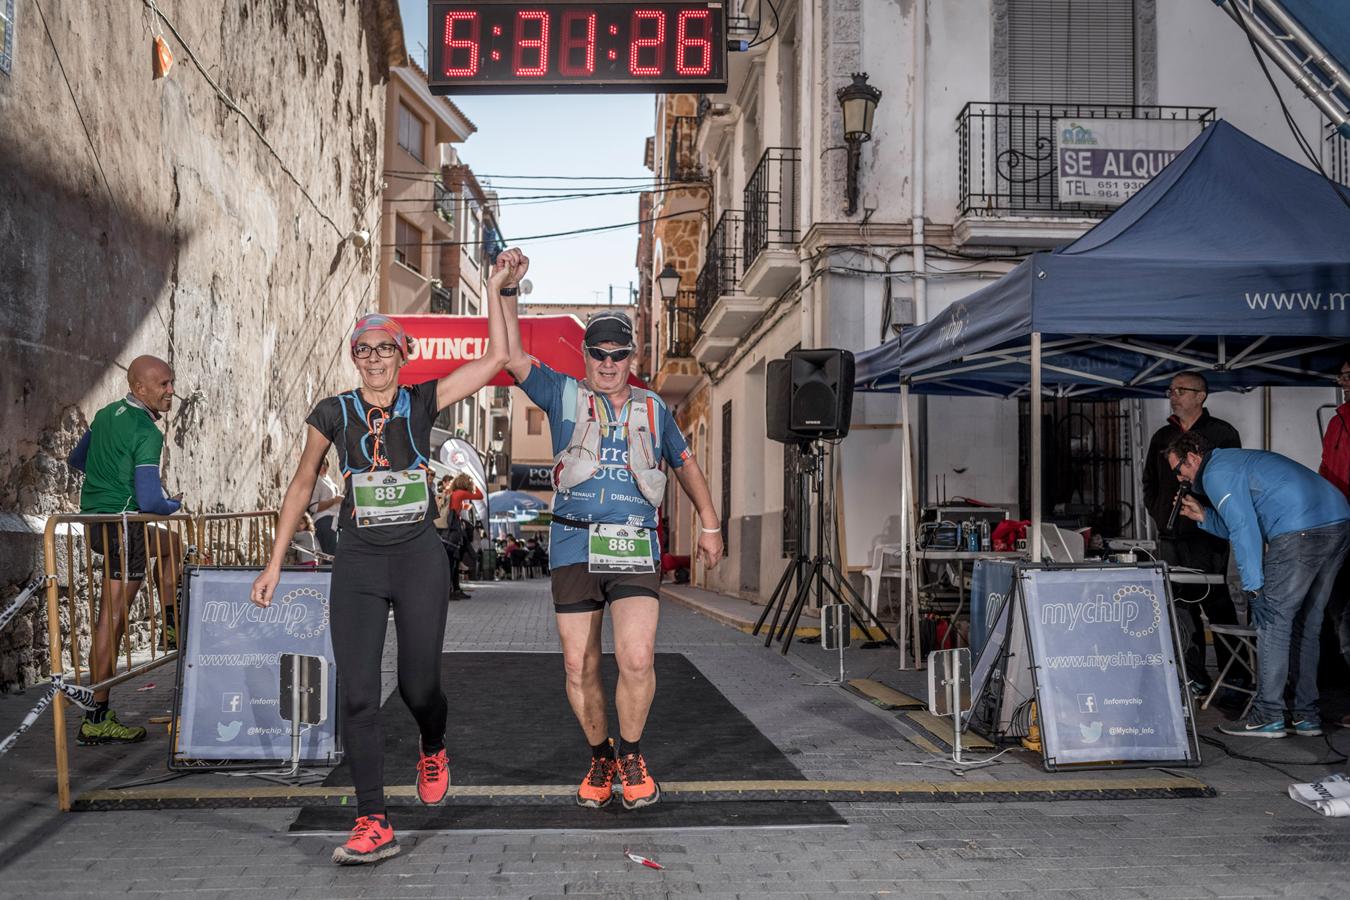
(770, 199)
(682, 325)
(681, 162)
(1008, 165)
(722, 265)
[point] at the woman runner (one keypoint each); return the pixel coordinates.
(388, 552)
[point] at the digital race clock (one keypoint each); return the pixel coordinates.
(507, 47)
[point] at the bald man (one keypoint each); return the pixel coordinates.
(119, 456)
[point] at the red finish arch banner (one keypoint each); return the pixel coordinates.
(444, 343)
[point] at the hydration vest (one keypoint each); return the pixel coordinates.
(579, 461)
(402, 410)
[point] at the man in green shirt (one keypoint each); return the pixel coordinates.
(119, 456)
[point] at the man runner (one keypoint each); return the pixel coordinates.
(119, 456)
(609, 440)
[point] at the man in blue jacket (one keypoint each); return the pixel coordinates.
(1289, 529)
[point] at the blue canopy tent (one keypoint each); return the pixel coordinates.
(1233, 261)
(507, 509)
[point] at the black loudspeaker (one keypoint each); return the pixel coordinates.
(778, 396)
(821, 401)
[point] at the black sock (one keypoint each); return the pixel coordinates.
(98, 713)
(626, 746)
(431, 748)
(603, 750)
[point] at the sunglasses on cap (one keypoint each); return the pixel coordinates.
(600, 355)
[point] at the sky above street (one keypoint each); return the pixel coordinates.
(551, 135)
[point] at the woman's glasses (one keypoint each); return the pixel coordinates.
(618, 355)
(385, 351)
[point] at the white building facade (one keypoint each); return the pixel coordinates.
(956, 184)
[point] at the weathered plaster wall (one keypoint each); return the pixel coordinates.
(174, 230)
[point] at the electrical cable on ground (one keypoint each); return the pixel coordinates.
(1330, 760)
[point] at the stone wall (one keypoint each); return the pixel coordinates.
(175, 228)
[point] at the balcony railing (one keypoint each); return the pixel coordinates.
(682, 325)
(681, 163)
(771, 202)
(723, 264)
(1008, 164)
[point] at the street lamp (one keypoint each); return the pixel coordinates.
(668, 283)
(859, 100)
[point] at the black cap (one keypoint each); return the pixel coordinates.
(609, 327)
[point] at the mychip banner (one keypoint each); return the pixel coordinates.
(1106, 161)
(1108, 685)
(230, 669)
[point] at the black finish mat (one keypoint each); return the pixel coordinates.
(510, 724)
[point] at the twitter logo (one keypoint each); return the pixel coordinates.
(1090, 733)
(226, 733)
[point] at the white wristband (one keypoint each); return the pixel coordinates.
(710, 530)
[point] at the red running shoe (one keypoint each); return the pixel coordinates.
(598, 787)
(372, 840)
(639, 787)
(433, 777)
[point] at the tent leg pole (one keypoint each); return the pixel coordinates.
(1035, 424)
(907, 542)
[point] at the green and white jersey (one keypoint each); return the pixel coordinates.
(122, 436)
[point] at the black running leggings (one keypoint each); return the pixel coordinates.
(414, 579)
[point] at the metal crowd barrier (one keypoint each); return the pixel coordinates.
(170, 542)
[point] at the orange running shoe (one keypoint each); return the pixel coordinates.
(598, 787)
(372, 840)
(433, 777)
(639, 787)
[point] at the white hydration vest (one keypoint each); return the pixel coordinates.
(579, 461)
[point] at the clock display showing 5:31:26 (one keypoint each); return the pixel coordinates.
(510, 47)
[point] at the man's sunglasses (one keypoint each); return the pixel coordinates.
(600, 355)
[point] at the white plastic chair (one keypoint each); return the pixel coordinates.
(885, 564)
(1058, 545)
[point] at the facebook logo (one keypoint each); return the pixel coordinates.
(1087, 703)
(231, 703)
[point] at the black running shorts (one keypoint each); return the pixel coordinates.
(111, 548)
(576, 589)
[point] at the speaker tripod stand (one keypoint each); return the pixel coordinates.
(819, 572)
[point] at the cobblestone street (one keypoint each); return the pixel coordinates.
(1249, 841)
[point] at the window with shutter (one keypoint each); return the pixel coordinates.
(1071, 51)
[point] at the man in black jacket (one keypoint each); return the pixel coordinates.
(1186, 545)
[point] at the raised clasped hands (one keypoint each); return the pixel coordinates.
(509, 269)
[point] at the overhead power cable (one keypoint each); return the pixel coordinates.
(557, 234)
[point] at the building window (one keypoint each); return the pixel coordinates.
(534, 420)
(6, 35)
(473, 241)
(411, 132)
(1071, 51)
(407, 244)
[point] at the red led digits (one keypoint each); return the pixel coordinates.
(524, 44)
(637, 43)
(684, 43)
(466, 45)
(578, 37)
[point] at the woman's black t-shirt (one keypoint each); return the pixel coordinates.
(401, 452)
